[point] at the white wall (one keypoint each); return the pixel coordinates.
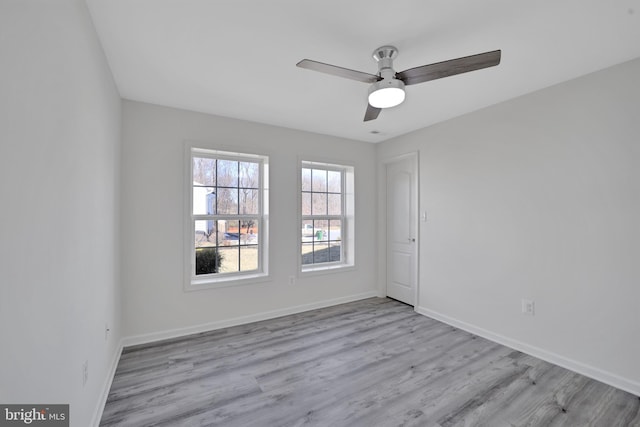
(59, 158)
(538, 198)
(155, 303)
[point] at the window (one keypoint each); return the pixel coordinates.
(227, 223)
(326, 232)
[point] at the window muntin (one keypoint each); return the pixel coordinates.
(227, 218)
(323, 215)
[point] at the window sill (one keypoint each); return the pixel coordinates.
(225, 282)
(326, 269)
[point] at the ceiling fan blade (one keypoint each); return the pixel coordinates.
(338, 71)
(372, 113)
(452, 67)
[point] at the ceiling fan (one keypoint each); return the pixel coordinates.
(387, 87)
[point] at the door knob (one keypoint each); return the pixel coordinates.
(412, 240)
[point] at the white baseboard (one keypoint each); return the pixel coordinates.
(179, 332)
(573, 365)
(97, 415)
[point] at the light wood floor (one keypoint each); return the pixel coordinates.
(369, 363)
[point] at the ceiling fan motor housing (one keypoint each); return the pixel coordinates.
(384, 56)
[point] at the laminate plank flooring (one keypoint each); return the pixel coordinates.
(369, 363)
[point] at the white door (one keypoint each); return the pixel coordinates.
(401, 230)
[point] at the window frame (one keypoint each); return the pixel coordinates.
(217, 280)
(347, 217)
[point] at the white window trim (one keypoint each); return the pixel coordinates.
(192, 282)
(348, 226)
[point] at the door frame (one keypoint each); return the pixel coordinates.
(414, 156)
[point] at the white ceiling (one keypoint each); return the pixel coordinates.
(237, 58)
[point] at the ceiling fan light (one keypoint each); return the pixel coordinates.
(386, 93)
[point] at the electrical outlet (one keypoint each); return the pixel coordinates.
(528, 307)
(106, 331)
(85, 372)
(292, 280)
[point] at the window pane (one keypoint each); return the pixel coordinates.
(205, 233)
(249, 232)
(307, 230)
(206, 254)
(318, 180)
(204, 200)
(229, 240)
(249, 175)
(230, 259)
(227, 201)
(208, 260)
(320, 252)
(335, 204)
(307, 253)
(227, 173)
(248, 258)
(306, 203)
(249, 203)
(314, 253)
(228, 234)
(334, 251)
(334, 182)
(204, 171)
(320, 229)
(306, 179)
(335, 230)
(319, 204)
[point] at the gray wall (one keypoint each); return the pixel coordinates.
(538, 198)
(59, 165)
(153, 213)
